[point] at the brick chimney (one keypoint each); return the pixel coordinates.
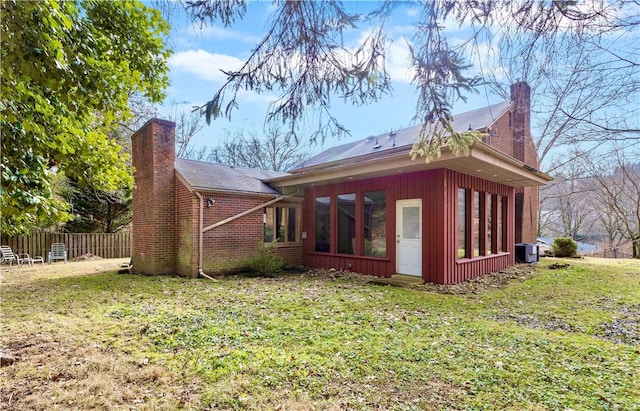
(521, 117)
(526, 199)
(154, 200)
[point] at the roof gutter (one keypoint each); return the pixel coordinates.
(244, 213)
(492, 151)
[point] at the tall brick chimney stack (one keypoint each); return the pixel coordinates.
(154, 200)
(526, 199)
(521, 121)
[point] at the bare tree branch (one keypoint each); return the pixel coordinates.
(275, 151)
(303, 58)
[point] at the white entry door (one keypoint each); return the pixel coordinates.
(409, 237)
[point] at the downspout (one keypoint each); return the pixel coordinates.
(244, 213)
(200, 235)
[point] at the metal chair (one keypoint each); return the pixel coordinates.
(58, 252)
(10, 256)
(31, 260)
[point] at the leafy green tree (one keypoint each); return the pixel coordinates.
(68, 69)
(97, 211)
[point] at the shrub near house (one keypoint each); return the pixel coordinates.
(265, 262)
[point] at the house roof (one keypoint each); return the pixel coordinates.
(388, 154)
(373, 156)
(204, 176)
(478, 119)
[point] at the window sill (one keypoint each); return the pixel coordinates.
(283, 245)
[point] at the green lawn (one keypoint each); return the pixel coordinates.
(567, 338)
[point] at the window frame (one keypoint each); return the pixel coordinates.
(484, 211)
(462, 224)
(358, 241)
(367, 212)
(329, 226)
(273, 216)
(343, 224)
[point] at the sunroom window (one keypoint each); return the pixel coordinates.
(480, 223)
(346, 223)
(375, 223)
(462, 223)
(322, 217)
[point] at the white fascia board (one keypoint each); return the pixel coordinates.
(483, 161)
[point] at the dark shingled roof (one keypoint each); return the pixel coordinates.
(208, 176)
(476, 119)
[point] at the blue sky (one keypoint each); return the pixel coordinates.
(200, 54)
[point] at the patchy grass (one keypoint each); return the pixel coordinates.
(556, 339)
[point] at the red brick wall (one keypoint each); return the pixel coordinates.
(166, 216)
(501, 135)
(530, 215)
(226, 248)
(154, 201)
(531, 194)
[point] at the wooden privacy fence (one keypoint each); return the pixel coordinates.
(105, 245)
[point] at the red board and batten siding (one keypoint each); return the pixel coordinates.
(438, 191)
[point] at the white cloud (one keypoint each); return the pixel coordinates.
(413, 11)
(218, 33)
(399, 61)
(203, 64)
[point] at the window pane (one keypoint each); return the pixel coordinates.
(500, 223)
(462, 223)
(268, 224)
(375, 223)
(322, 224)
(410, 222)
(281, 220)
(476, 224)
(346, 223)
(490, 203)
(291, 225)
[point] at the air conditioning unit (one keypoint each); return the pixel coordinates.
(526, 253)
